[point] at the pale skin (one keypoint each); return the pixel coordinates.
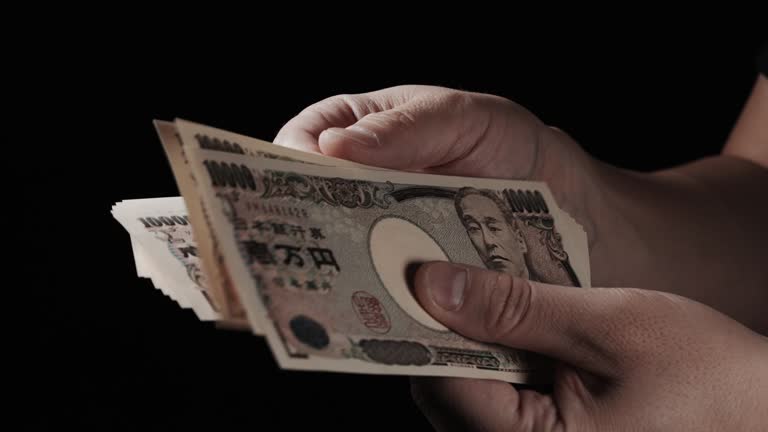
(685, 352)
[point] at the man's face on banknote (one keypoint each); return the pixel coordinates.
(498, 242)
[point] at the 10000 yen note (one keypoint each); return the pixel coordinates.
(165, 251)
(320, 257)
(219, 285)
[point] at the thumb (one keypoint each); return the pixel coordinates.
(455, 131)
(570, 324)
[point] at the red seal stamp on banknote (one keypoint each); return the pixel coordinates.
(371, 312)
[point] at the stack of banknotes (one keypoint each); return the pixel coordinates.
(315, 253)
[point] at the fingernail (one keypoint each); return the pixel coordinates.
(446, 285)
(357, 134)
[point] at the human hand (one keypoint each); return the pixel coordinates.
(655, 230)
(444, 131)
(628, 359)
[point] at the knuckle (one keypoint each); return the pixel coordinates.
(341, 102)
(478, 114)
(321, 107)
(351, 106)
(463, 103)
(322, 111)
(508, 304)
(396, 119)
(404, 118)
(358, 105)
(460, 99)
(329, 102)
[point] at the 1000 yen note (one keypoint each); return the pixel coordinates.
(320, 257)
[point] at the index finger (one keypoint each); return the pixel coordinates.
(302, 131)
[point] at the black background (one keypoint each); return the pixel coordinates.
(114, 352)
